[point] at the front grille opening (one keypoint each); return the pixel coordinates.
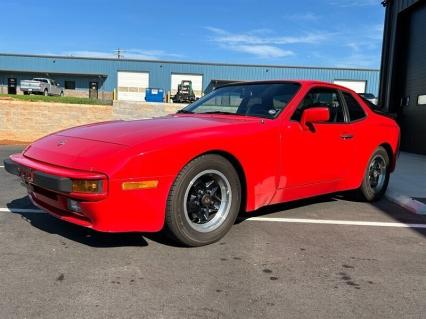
(64, 213)
(45, 192)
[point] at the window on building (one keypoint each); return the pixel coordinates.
(70, 85)
(355, 110)
(421, 99)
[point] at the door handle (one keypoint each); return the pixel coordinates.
(346, 136)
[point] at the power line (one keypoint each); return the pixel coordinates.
(119, 53)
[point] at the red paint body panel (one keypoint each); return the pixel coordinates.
(281, 160)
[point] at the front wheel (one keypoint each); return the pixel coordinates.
(376, 178)
(204, 201)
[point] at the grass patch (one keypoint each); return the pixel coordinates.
(57, 99)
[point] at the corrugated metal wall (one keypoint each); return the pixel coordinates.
(160, 71)
(389, 54)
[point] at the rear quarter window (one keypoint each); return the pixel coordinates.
(355, 110)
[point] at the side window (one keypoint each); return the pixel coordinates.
(355, 110)
(322, 97)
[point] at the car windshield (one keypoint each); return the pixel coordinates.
(255, 99)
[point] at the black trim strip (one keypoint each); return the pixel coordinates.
(11, 167)
(54, 183)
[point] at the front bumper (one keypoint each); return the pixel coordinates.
(114, 210)
(11, 167)
(39, 179)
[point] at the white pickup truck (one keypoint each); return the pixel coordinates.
(41, 86)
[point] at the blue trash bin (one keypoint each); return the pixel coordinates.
(154, 95)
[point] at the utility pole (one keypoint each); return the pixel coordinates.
(118, 53)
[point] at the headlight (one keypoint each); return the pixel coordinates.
(86, 186)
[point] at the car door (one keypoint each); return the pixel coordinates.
(361, 132)
(53, 88)
(315, 160)
(46, 85)
(57, 88)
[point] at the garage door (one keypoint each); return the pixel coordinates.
(411, 80)
(132, 85)
(197, 82)
(357, 86)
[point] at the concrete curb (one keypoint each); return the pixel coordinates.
(406, 202)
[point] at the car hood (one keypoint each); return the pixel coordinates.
(96, 147)
(130, 133)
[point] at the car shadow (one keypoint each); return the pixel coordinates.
(399, 214)
(85, 236)
(276, 208)
(89, 237)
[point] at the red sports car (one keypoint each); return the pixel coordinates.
(241, 147)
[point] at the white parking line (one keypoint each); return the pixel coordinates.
(270, 219)
(335, 222)
(21, 210)
(1, 166)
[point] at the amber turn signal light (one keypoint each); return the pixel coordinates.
(126, 186)
(86, 186)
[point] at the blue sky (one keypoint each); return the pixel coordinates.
(334, 33)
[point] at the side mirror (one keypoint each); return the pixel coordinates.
(314, 115)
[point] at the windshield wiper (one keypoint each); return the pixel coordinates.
(185, 112)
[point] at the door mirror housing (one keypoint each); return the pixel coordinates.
(314, 115)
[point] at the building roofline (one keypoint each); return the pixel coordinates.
(55, 72)
(182, 62)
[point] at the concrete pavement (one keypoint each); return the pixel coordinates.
(407, 186)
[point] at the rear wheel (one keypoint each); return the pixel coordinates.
(62, 93)
(204, 201)
(376, 178)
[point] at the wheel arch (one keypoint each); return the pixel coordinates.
(238, 167)
(392, 156)
(356, 182)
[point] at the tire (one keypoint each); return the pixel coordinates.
(204, 201)
(376, 177)
(26, 93)
(61, 94)
(46, 93)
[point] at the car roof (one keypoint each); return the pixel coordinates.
(302, 82)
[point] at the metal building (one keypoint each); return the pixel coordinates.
(403, 76)
(130, 78)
